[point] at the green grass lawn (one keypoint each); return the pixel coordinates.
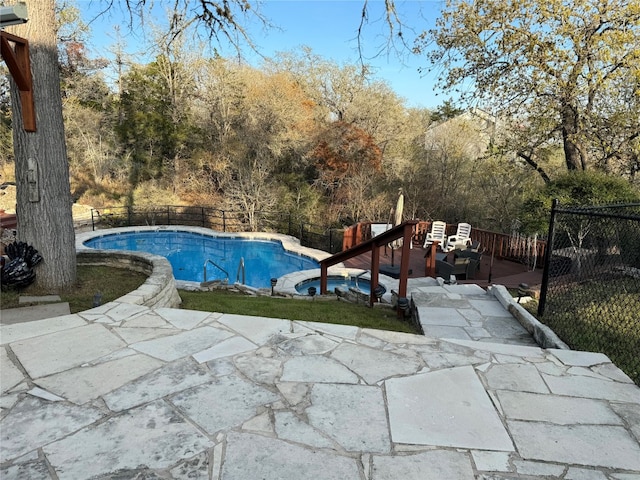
(599, 316)
(111, 282)
(318, 310)
(114, 282)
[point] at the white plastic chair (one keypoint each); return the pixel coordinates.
(462, 238)
(437, 234)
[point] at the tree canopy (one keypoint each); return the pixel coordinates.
(555, 67)
(574, 189)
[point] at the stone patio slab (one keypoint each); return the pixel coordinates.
(224, 403)
(501, 348)
(630, 412)
(316, 369)
(118, 312)
(556, 409)
(253, 456)
(587, 387)
(182, 344)
(171, 378)
(489, 308)
(312, 344)
(439, 331)
(141, 334)
(10, 375)
(147, 320)
(289, 427)
(445, 408)
(580, 359)
(340, 331)
(182, 319)
(65, 349)
(33, 423)
(257, 329)
(79, 385)
(433, 465)
(153, 436)
(336, 410)
(441, 316)
(374, 365)
(260, 369)
(516, 376)
(592, 445)
(229, 347)
(506, 327)
(22, 331)
(36, 470)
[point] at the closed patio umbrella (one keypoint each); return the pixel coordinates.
(397, 220)
(399, 208)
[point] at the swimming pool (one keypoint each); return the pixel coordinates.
(189, 251)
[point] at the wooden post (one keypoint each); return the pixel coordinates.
(404, 262)
(323, 278)
(17, 60)
(430, 263)
(375, 270)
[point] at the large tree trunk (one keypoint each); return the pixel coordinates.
(44, 208)
(573, 154)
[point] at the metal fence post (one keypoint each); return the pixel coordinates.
(128, 216)
(547, 259)
(224, 221)
(93, 225)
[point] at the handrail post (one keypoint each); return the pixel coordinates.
(323, 278)
(375, 271)
(404, 262)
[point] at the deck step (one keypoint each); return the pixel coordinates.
(36, 312)
(39, 299)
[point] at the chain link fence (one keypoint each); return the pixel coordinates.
(590, 294)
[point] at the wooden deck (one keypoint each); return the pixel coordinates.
(502, 272)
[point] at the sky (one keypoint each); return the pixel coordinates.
(328, 27)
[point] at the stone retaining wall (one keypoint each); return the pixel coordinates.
(159, 290)
(543, 335)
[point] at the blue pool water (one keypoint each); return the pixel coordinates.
(188, 251)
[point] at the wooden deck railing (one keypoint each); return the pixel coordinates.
(373, 245)
(501, 245)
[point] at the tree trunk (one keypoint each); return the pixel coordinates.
(43, 208)
(573, 154)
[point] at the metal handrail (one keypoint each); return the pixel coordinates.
(204, 269)
(357, 277)
(241, 268)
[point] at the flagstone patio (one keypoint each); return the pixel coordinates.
(128, 392)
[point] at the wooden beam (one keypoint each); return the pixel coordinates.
(373, 245)
(19, 66)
